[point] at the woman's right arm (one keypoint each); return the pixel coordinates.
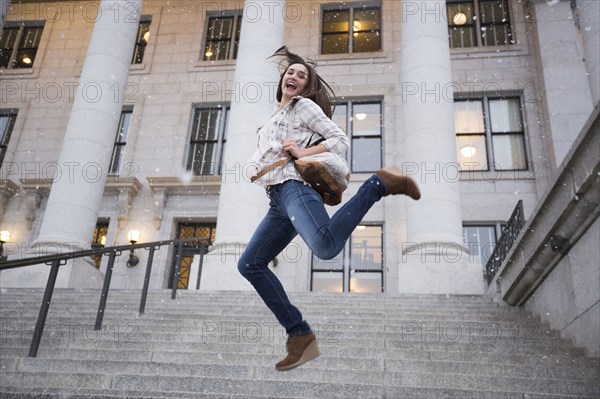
(312, 115)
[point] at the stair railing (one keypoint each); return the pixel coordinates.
(505, 243)
(57, 260)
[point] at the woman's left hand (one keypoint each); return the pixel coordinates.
(291, 147)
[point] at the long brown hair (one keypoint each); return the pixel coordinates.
(316, 89)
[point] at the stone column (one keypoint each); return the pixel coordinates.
(434, 258)
(242, 204)
(567, 95)
(78, 187)
(589, 21)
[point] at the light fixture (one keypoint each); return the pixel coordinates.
(146, 36)
(4, 237)
(459, 18)
(26, 60)
(468, 151)
(133, 236)
(208, 53)
(356, 27)
(361, 116)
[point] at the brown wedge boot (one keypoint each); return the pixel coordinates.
(300, 349)
(397, 183)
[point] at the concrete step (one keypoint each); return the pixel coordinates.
(221, 355)
(242, 366)
(367, 317)
(229, 295)
(326, 350)
(116, 333)
(262, 380)
(271, 332)
(201, 297)
(225, 344)
(261, 310)
(198, 302)
(530, 362)
(252, 325)
(397, 392)
(201, 385)
(58, 393)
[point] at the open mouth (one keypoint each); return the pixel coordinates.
(290, 86)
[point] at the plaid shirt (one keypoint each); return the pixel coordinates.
(309, 119)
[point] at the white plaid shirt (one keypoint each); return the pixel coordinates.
(309, 119)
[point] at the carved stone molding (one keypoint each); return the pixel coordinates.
(124, 189)
(159, 202)
(8, 188)
(163, 187)
(35, 190)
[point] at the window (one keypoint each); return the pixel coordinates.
(19, 44)
(7, 122)
(207, 140)
(120, 141)
(362, 121)
(351, 29)
(99, 240)
(490, 134)
(481, 240)
(475, 23)
(358, 268)
(223, 37)
(143, 35)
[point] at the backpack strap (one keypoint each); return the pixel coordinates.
(268, 169)
(316, 143)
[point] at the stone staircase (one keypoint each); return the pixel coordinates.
(225, 344)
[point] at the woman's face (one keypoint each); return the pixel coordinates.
(294, 81)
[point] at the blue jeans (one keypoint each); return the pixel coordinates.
(296, 208)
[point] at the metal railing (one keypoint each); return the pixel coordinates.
(505, 243)
(57, 260)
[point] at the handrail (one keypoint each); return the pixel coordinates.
(503, 246)
(89, 252)
(57, 260)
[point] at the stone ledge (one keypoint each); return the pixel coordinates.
(163, 187)
(198, 185)
(567, 210)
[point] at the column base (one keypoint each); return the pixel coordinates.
(219, 269)
(451, 272)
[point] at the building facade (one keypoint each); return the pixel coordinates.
(120, 116)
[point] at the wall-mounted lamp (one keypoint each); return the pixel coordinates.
(133, 236)
(4, 237)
